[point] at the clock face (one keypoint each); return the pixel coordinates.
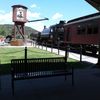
(20, 14)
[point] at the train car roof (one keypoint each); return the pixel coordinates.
(84, 18)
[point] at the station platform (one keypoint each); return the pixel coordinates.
(86, 87)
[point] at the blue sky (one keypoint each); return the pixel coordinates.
(55, 10)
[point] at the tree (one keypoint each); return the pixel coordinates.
(2, 32)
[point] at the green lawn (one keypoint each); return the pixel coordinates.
(6, 54)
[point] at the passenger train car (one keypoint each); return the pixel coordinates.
(83, 31)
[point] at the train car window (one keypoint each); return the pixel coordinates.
(89, 29)
(81, 30)
(78, 31)
(95, 29)
(92, 28)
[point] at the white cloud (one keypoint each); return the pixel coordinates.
(5, 18)
(33, 6)
(57, 16)
(2, 11)
(32, 15)
(36, 25)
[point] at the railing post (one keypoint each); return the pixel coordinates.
(98, 63)
(58, 47)
(42, 46)
(25, 53)
(51, 47)
(35, 44)
(80, 53)
(38, 45)
(25, 60)
(0, 75)
(66, 53)
(46, 46)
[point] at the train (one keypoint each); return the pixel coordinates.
(53, 34)
(84, 31)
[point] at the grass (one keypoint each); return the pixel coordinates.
(6, 54)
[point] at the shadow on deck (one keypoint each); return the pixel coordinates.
(87, 85)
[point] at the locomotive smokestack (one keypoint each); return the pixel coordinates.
(44, 27)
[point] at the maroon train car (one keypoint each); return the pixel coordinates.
(84, 31)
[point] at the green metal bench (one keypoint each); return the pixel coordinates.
(38, 68)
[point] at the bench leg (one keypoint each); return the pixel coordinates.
(12, 87)
(0, 82)
(65, 77)
(72, 77)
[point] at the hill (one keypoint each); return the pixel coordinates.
(6, 29)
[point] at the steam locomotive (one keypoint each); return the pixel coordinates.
(84, 31)
(53, 34)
